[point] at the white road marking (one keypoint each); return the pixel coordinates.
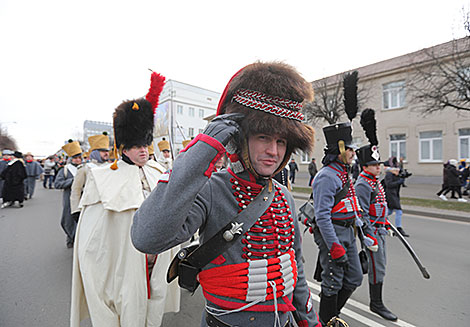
(360, 306)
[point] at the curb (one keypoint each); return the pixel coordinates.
(412, 211)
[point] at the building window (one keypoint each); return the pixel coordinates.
(191, 111)
(304, 158)
(179, 109)
(394, 95)
(200, 130)
(430, 146)
(398, 146)
(464, 143)
(201, 113)
(191, 131)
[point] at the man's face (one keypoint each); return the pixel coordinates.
(266, 152)
(77, 160)
(104, 155)
(166, 154)
(29, 158)
(373, 169)
(350, 154)
(138, 155)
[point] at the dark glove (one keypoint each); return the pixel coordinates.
(339, 256)
(75, 216)
(224, 127)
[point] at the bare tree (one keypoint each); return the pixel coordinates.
(328, 104)
(6, 141)
(441, 76)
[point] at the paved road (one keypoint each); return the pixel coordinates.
(35, 273)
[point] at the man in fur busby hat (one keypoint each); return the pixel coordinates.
(102, 244)
(98, 156)
(336, 212)
(64, 180)
(13, 177)
(251, 217)
(371, 196)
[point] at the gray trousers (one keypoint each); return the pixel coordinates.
(335, 278)
(29, 185)
(377, 260)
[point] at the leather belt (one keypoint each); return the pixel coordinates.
(213, 321)
(344, 223)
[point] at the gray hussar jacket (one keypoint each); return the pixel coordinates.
(327, 183)
(188, 198)
(374, 210)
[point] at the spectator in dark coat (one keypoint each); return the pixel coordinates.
(292, 169)
(312, 170)
(445, 184)
(453, 179)
(13, 186)
(393, 183)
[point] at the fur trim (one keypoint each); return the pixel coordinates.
(274, 79)
(132, 126)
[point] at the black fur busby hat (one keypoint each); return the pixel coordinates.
(343, 131)
(133, 119)
(369, 154)
(133, 124)
(270, 95)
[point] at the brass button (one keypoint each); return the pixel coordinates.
(252, 318)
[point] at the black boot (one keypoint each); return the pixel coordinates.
(376, 304)
(328, 307)
(402, 232)
(343, 296)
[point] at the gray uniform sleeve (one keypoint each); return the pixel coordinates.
(324, 190)
(363, 193)
(61, 182)
(180, 203)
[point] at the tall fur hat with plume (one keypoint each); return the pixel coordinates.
(369, 154)
(270, 95)
(133, 119)
(340, 134)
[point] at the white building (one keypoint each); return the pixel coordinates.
(184, 107)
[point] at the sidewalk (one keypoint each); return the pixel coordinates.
(415, 189)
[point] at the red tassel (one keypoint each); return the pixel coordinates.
(157, 82)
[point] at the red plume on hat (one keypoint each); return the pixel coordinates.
(157, 82)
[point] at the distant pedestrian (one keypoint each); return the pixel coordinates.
(14, 175)
(33, 171)
(445, 184)
(49, 171)
(393, 183)
(292, 169)
(6, 157)
(64, 181)
(312, 170)
(453, 179)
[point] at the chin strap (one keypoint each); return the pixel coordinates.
(342, 151)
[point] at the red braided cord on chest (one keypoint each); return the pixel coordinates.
(249, 281)
(274, 105)
(350, 202)
(273, 233)
(379, 198)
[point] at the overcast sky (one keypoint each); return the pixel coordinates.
(63, 62)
